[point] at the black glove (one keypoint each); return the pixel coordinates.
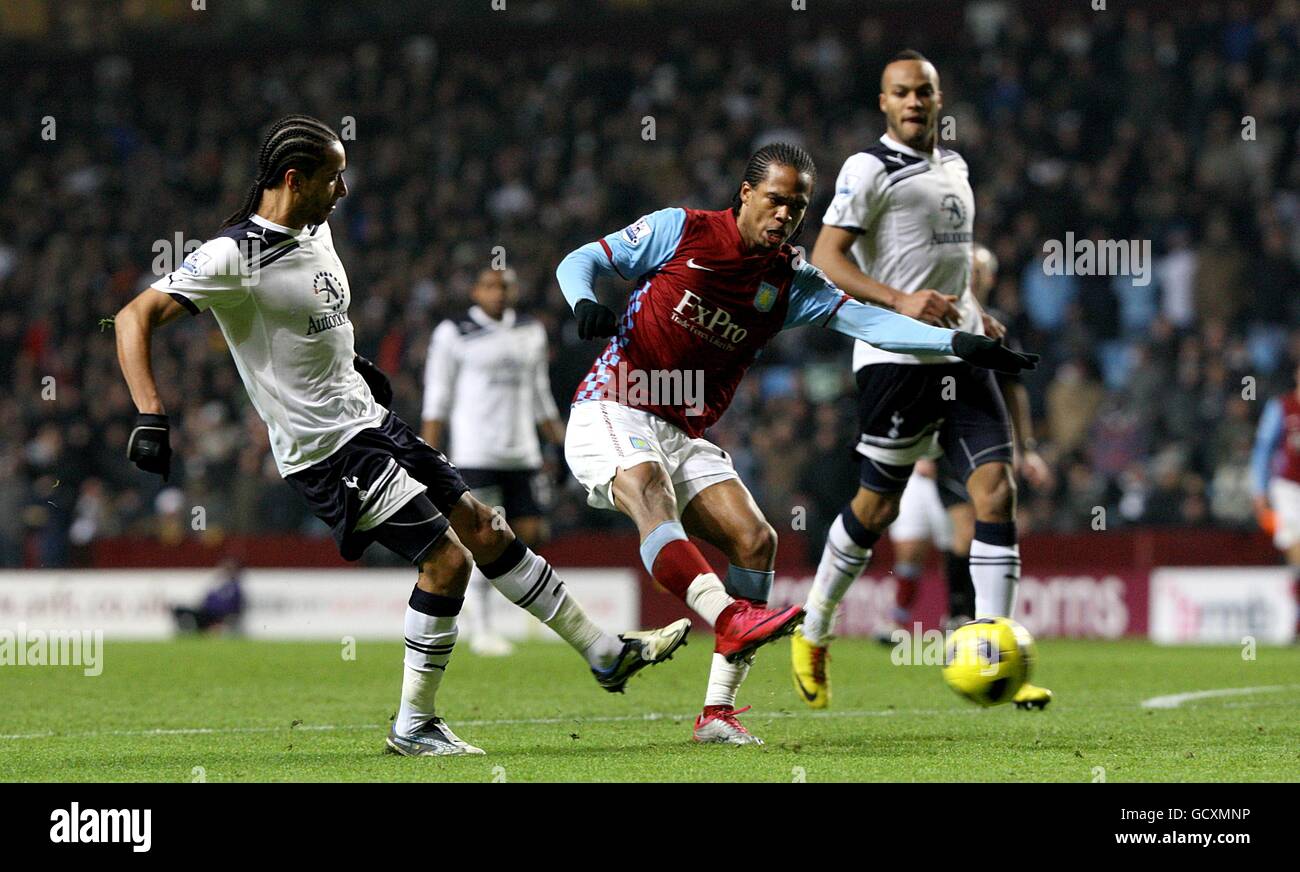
(149, 446)
(991, 354)
(375, 378)
(594, 320)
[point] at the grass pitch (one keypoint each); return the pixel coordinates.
(238, 710)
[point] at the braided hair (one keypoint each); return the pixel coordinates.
(779, 153)
(294, 142)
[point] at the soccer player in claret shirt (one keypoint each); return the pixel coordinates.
(280, 295)
(898, 233)
(1275, 476)
(711, 289)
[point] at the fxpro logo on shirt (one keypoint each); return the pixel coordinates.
(710, 323)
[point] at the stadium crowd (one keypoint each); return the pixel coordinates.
(1180, 129)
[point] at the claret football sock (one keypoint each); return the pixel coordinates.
(994, 568)
(847, 552)
(908, 578)
(430, 631)
(528, 581)
(679, 566)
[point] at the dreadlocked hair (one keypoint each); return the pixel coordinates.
(779, 153)
(294, 142)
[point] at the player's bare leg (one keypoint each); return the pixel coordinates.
(529, 581)
(485, 641)
(430, 632)
(846, 554)
(645, 494)
(848, 550)
(995, 556)
(961, 593)
(726, 516)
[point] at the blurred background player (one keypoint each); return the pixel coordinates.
(898, 233)
(222, 606)
(1275, 475)
(280, 294)
(713, 287)
(935, 509)
(486, 373)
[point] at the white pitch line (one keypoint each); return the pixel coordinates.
(498, 722)
(1174, 700)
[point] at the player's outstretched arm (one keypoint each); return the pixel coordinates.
(831, 254)
(991, 354)
(898, 333)
(149, 447)
(634, 251)
(815, 300)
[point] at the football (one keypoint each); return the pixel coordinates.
(987, 660)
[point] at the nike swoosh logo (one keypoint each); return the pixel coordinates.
(806, 695)
(693, 265)
(896, 159)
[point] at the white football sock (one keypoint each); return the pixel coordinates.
(725, 679)
(531, 584)
(572, 625)
(842, 562)
(994, 571)
(707, 597)
(480, 593)
(429, 642)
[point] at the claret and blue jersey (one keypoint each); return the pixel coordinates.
(703, 303)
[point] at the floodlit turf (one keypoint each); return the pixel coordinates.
(231, 710)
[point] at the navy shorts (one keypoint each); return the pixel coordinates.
(341, 488)
(910, 411)
(521, 493)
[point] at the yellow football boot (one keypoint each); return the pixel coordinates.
(1031, 696)
(810, 679)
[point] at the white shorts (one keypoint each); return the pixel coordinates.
(921, 515)
(604, 437)
(1284, 497)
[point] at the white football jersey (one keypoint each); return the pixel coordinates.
(916, 216)
(489, 379)
(281, 299)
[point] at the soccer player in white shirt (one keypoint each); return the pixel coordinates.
(486, 374)
(280, 296)
(935, 509)
(898, 233)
